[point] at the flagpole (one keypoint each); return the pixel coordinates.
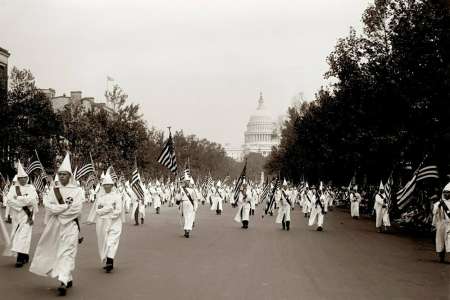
(92, 161)
(37, 156)
(418, 168)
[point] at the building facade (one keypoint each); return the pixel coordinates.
(4, 55)
(262, 133)
(260, 136)
(75, 98)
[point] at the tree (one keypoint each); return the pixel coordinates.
(387, 106)
(29, 123)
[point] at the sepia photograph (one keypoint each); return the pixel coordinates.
(225, 149)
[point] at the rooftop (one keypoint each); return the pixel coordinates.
(4, 52)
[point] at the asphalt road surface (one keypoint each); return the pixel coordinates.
(348, 260)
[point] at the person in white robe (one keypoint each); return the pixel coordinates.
(23, 202)
(148, 200)
(243, 212)
(306, 201)
(171, 191)
(382, 222)
(138, 208)
(58, 245)
(216, 198)
(126, 198)
(5, 203)
(284, 211)
(355, 200)
(92, 194)
(441, 221)
(187, 205)
(156, 195)
(293, 195)
(108, 214)
(331, 197)
(317, 209)
(253, 200)
(4, 236)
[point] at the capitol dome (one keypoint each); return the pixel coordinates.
(261, 134)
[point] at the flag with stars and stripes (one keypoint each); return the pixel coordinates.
(136, 185)
(90, 181)
(86, 169)
(239, 183)
(266, 190)
(167, 157)
(40, 182)
(422, 173)
(388, 190)
(33, 166)
(113, 173)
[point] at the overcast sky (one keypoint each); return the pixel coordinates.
(197, 65)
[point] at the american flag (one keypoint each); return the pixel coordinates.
(167, 157)
(388, 189)
(113, 174)
(241, 179)
(136, 185)
(90, 182)
(40, 182)
(210, 182)
(272, 195)
(33, 166)
(86, 169)
(266, 190)
(422, 173)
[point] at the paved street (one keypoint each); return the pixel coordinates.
(222, 261)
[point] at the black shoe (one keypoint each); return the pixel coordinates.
(136, 224)
(109, 268)
(441, 256)
(62, 291)
(319, 228)
(69, 284)
(8, 220)
(186, 234)
(288, 223)
(19, 264)
(284, 225)
(109, 265)
(142, 220)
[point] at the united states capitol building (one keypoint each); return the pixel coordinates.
(261, 134)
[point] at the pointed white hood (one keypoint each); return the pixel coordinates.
(381, 186)
(107, 179)
(66, 165)
(21, 171)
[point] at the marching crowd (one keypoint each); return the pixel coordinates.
(112, 200)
